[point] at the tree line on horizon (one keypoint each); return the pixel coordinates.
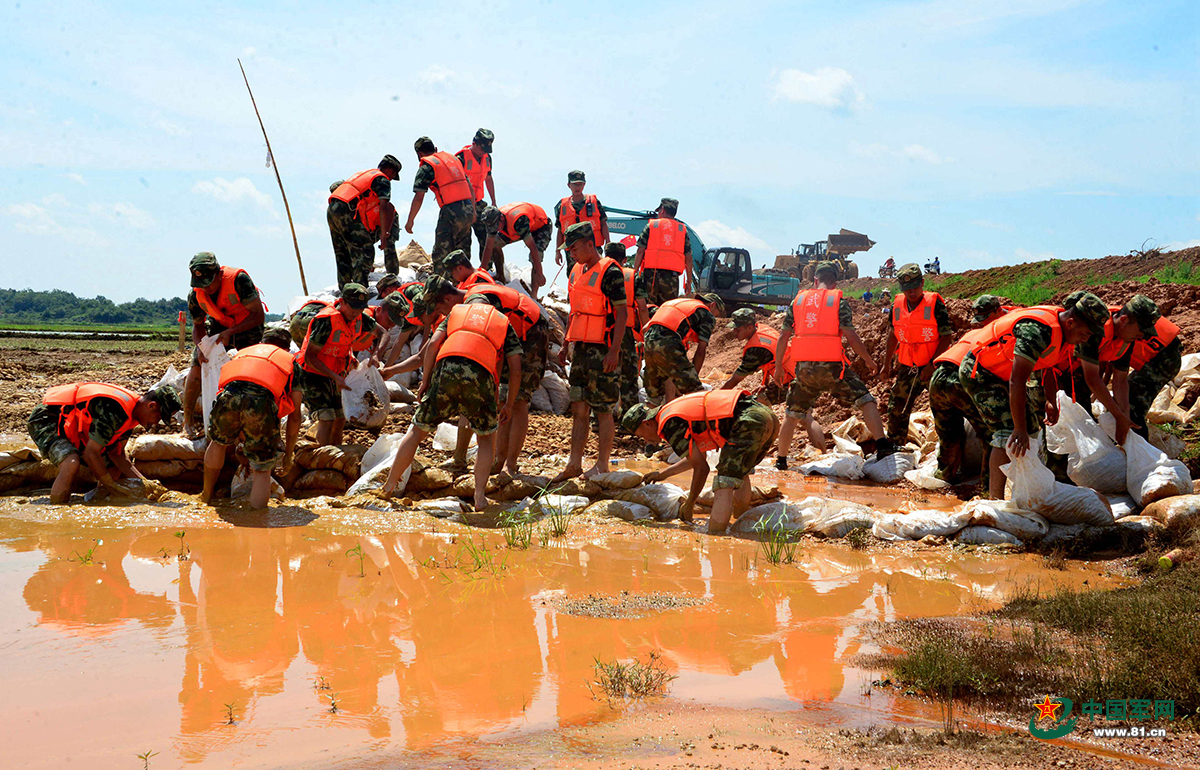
(58, 307)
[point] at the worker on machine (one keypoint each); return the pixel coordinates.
(674, 327)
(445, 175)
(476, 160)
(812, 337)
(664, 251)
(758, 353)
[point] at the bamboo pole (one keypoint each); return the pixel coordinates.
(295, 243)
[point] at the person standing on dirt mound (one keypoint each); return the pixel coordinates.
(734, 421)
(920, 331)
(758, 353)
(223, 301)
(476, 160)
(664, 251)
(463, 383)
(514, 222)
(638, 316)
(443, 172)
(812, 337)
(258, 388)
(674, 327)
(1010, 349)
(596, 289)
(90, 422)
(361, 214)
(578, 207)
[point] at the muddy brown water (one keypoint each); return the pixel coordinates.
(132, 649)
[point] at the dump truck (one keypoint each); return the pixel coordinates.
(802, 262)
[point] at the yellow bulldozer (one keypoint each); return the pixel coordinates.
(802, 262)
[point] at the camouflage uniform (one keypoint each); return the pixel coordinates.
(353, 244)
(754, 359)
(453, 229)
(480, 204)
(950, 404)
(321, 393)
(298, 323)
(533, 350)
(833, 377)
(245, 289)
(908, 383)
(107, 419)
(662, 285)
(989, 393)
(749, 435)
(246, 412)
(460, 387)
(493, 218)
(631, 357)
(667, 359)
(587, 380)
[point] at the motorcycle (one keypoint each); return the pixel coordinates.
(933, 268)
(887, 272)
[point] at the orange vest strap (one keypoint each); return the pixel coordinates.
(450, 183)
(521, 311)
(226, 307)
(1165, 332)
(75, 419)
(703, 412)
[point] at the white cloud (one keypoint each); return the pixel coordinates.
(1024, 255)
(170, 129)
(436, 76)
(125, 213)
(829, 87)
(924, 154)
(32, 218)
(76, 178)
(911, 152)
(715, 233)
(1177, 245)
(232, 192)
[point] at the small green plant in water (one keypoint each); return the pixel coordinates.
(185, 551)
(518, 528)
(146, 756)
(558, 519)
(229, 720)
(357, 552)
(777, 543)
(333, 703)
(858, 538)
(631, 681)
(85, 557)
(479, 557)
(321, 684)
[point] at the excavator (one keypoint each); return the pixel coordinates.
(802, 262)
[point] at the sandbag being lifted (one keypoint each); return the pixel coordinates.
(1094, 460)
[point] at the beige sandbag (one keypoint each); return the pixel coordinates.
(177, 447)
(1163, 410)
(31, 473)
(1181, 512)
(15, 456)
(345, 458)
(464, 485)
(620, 509)
(168, 469)
(429, 480)
(624, 479)
(324, 480)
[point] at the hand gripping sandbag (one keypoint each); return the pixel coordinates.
(210, 374)
(1094, 460)
(1034, 489)
(1150, 475)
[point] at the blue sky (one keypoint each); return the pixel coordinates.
(982, 131)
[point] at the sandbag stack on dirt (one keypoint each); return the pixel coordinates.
(168, 457)
(1179, 400)
(25, 468)
(325, 469)
(1180, 513)
(551, 396)
(915, 525)
(1034, 488)
(1093, 459)
(1151, 475)
(814, 515)
(890, 469)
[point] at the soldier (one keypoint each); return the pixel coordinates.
(92, 421)
(442, 172)
(758, 353)
(257, 388)
(578, 207)
(734, 421)
(511, 223)
(1010, 349)
(663, 252)
(596, 288)
(223, 301)
(819, 319)
(920, 332)
(360, 213)
(389, 283)
(637, 316)
(476, 160)
(459, 380)
(326, 356)
(674, 327)
(948, 400)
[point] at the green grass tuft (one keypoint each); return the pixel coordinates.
(1182, 271)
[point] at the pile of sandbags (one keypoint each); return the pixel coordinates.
(168, 457)
(324, 469)
(25, 468)
(1094, 460)
(1179, 400)
(813, 515)
(1034, 488)
(845, 461)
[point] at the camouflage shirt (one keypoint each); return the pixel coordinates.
(242, 284)
(578, 208)
(423, 178)
(320, 328)
(644, 239)
(512, 343)
(753, 360)
(940, 314)
(675, 431)
(845, 317)
(1032, 339)
(107, 419)
(700, 321)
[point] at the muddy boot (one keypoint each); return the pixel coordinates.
(781, 463)
(884, 447)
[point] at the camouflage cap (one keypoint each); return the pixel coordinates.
(826, 267)
(909, 276)
(983, 306)
(1088, 308)
(398, 307)
(636, 415)
(456, 258)
(713, 299)
(485, 139)
(490, 217)
(278, 336)
(204, 267)
(1145, 311)
(390, 160)
(388, 281)
(615, 250)
(743, 316)
(580, 231)
(355, 295)
(168, 401)
(436, 287)
(575, 176)
(424, 144)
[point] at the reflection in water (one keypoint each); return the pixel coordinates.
(416, 653)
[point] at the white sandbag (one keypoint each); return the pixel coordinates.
(1171, 446)
(837, 464)
(890, 469)
(1035, 489)
(366, 401)
(398, 394)
(924, 475)
(561, 504)
(852, 428)
(664, 499)
(831, 522)
(175, 379)
(152, 446)
(551, 396)
(376, 464)
(780, 515)
(243, 482)
(986, 536)
(1026, 526)
(1150, 475)
(210, 373)
(1094, 460)
(443, 506)
(445, 438)
(620, 509)
(918, 524)
(1122, 506)
(618, 479)
(1181, 512)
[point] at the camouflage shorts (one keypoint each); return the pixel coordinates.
(534, 350)
(816, 377)
(662, 285)
(43, 429)
(667, 360)
(240, 340)
(631, 365)
(989, 394)
(1145, 383)
(588, 382)
(353, 245)
(459, 387)
(321, 395)
(453, 232)
(905, 389)
(750, 439)
(246, 413)
(770, 393)
(950, 404)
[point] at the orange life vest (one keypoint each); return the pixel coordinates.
(336, 352)
(1165, 332)
(476, 170)
(226, 308)
(477, 277)
(1111, 348)
(522, 312)
(75, 421)
(631, 316)
(664, 245)
(450, 183)
(703, 411)
(265, 365)
(958, 351)
(476, 332)
(816, 329)
(995, 347)
(916, 331)
(513, 211)
(766, 338)
(365, 338)
(356, 192)
(588, 321)
(590, 212)
(674, 312)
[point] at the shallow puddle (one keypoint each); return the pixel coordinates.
(113, 645)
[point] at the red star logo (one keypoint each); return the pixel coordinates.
(1047, 709)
